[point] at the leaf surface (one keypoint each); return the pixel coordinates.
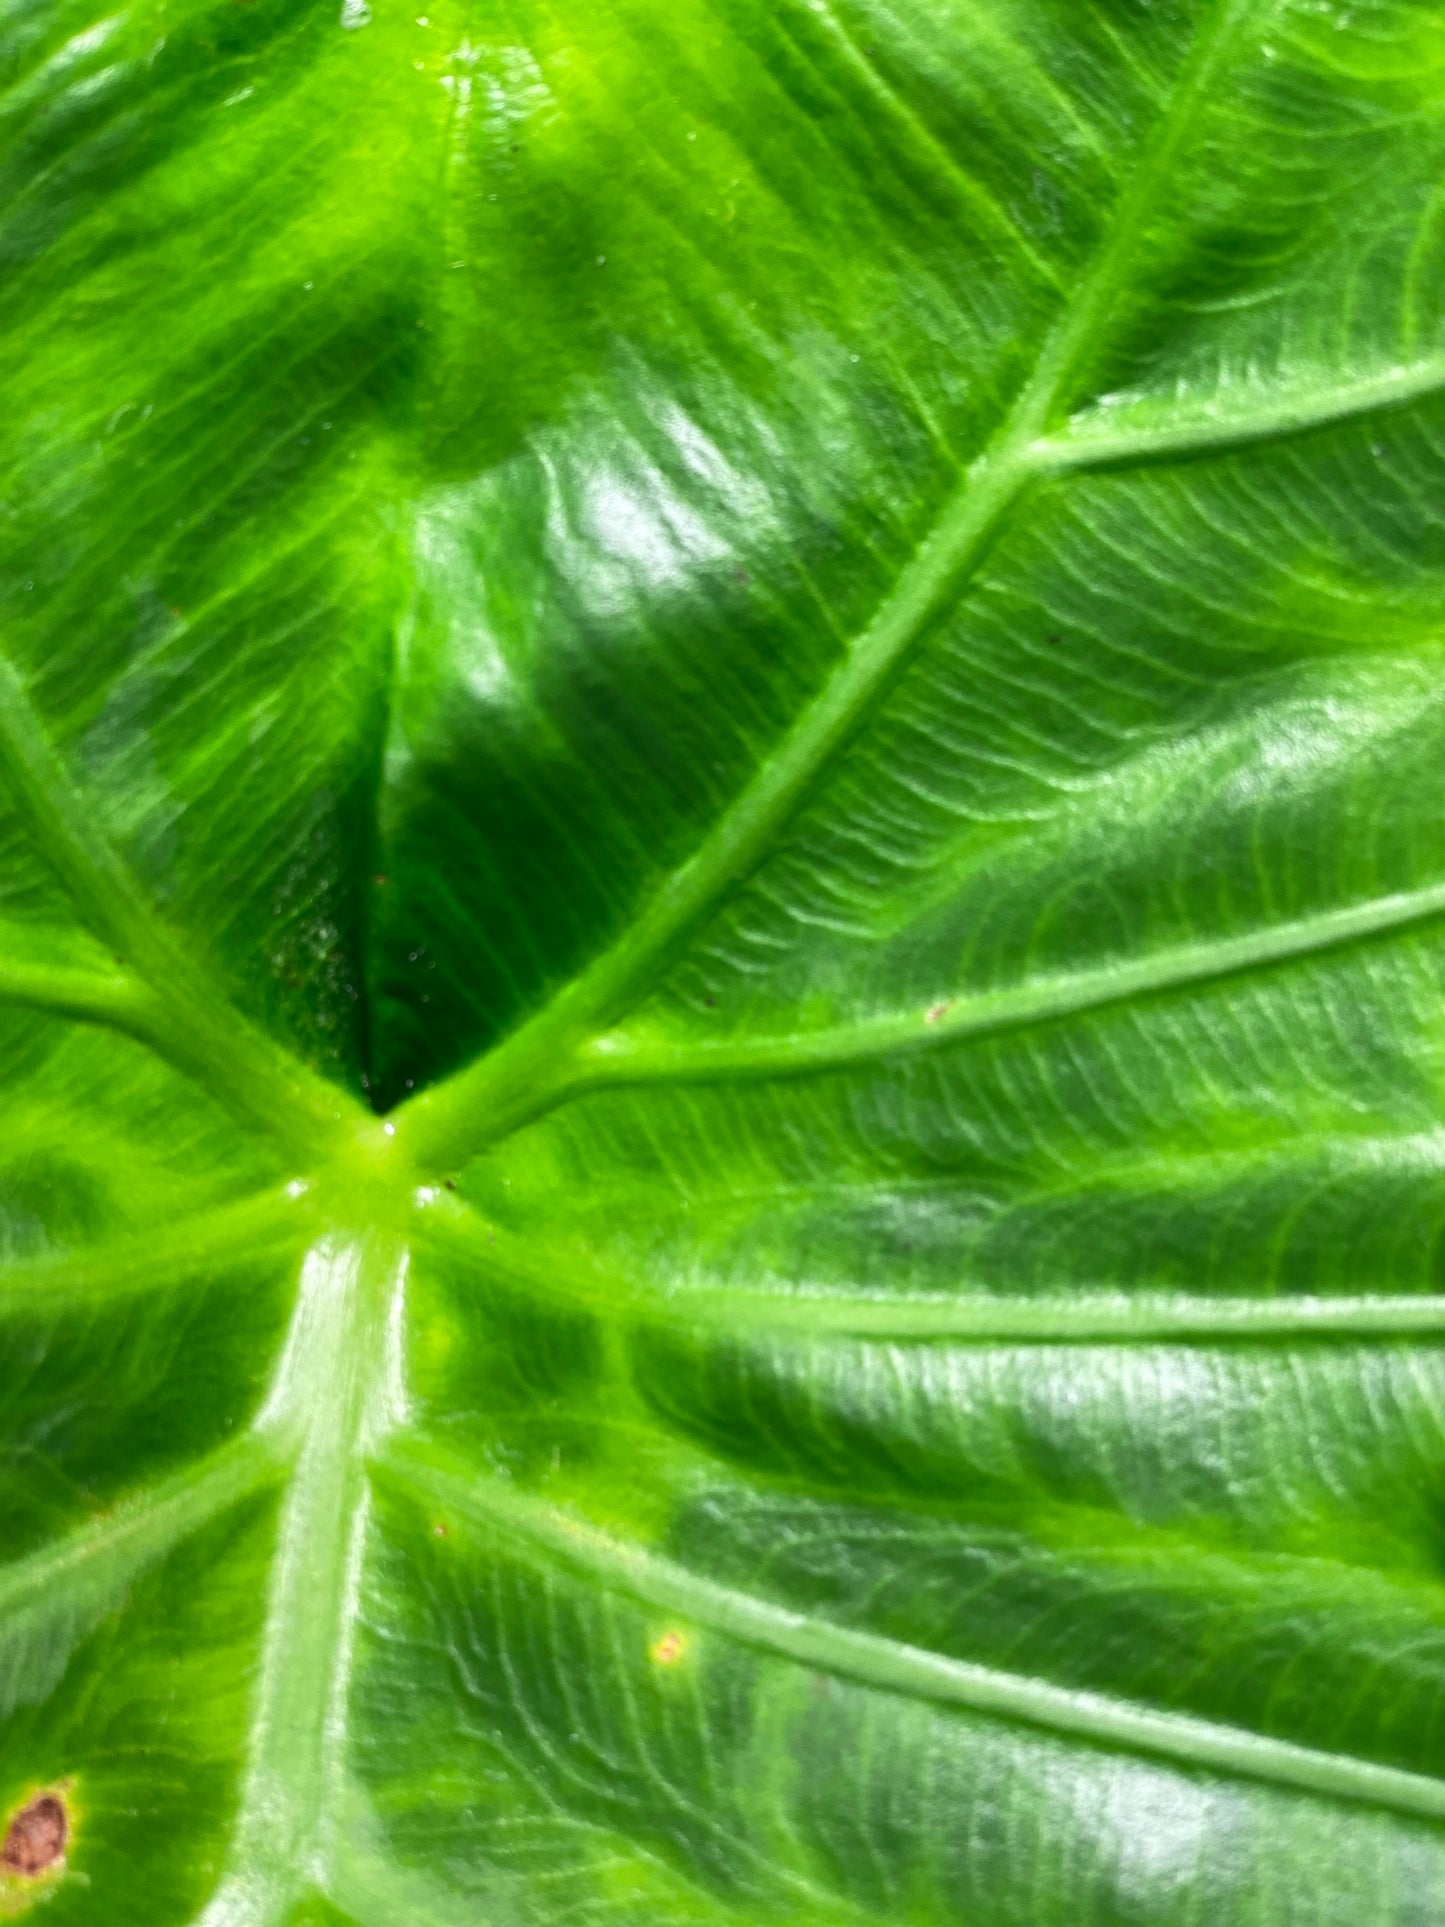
(722, 919)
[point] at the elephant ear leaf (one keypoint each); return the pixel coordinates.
(722, 932)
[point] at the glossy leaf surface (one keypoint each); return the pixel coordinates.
(722, 930)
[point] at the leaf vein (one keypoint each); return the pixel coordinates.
(891, 1666)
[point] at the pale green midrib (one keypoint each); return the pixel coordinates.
(180, 1012)
(529, 1069)
(323, 1407)
(890, 1666)
(224, 1239)
(617, 1059)
(100, 1556)
(566, 1276)
(1088, 445)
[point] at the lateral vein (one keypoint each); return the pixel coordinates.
(101, 1556)
(890, 1666)
(43, 969)
(1088, 1317)
(176, 1009)
(617, 1058)
(1064, 1318)
(1089, 443)
(151, 1260)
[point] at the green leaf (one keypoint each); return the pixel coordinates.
(722, 930)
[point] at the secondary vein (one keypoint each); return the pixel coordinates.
(39, 968)
(890, 1666)
(1093, 1317)
(100, 1557)
(182, 1013)
(617, 1058)
(231, 1235)
(1091, 443)
(573, 1277)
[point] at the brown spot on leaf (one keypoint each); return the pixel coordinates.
(36, 1839)
(668, 1650)
(932, 1015)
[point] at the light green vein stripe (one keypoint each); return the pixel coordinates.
(619, 1058)
(46, 971)
(1090, 443)
(211, 1241)
(1058, 1320)
(889, 1666)
(102, 890)
(91, 1565)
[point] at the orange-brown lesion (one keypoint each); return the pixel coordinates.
(37, 1836)
(669, 1649)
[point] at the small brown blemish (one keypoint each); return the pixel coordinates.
(935, 1011)
(668, 1650)
(36, 1839)
(439, 1530)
